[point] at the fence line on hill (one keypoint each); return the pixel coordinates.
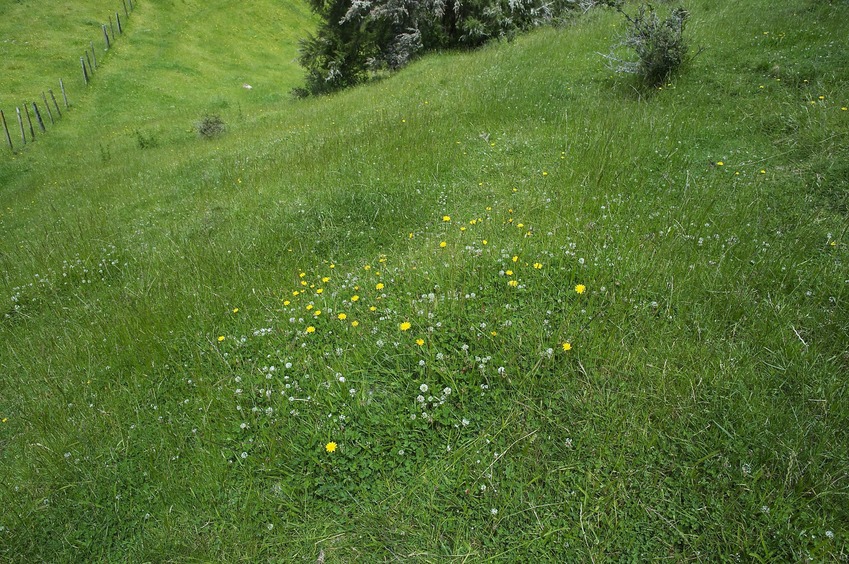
(88, 69)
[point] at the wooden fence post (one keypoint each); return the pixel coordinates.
(46, 105)
(90, 68)
(55, 105)
(6, 129)
(126, 13)
(21, 125)
(105, 35)
(118, 19)
(131, 5)
(38, 117)
(111, 28)
(64, 95)
(93, 54)
(29, 121)
(85, 74)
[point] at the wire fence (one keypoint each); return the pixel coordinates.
(88, 65)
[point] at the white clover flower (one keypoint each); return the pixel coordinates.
(423, 388)
(494, 511)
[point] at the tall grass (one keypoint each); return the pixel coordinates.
(164, 398)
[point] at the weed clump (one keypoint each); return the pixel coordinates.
(211, 126)
(660, 45)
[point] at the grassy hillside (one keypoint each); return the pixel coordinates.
(393, 274)
(177, 62)
(40, 44)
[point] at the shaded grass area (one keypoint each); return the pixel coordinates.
(700, 410)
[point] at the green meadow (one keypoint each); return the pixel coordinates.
(503, 305)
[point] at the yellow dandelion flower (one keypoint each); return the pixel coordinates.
(567, 346)
(509, 273)
(515, 258)
(310, 306)
(326, 279)
(513, 283)
(372, 308)
(379, 286)
(235, 310)
(410, 235)
(580, 288)
(330, 447)
(446, 218)
(763, 171)
(405, 326)
(302, 274)
(295, 293)
(367, 267)
(317, 312)
(493, 333)
(355, 323)
(319, 291)
(537, 265)
(420, 342)
(720, 163)
(443, 244)
(544, 173)
(303, 282)
(484, 241)
(354, 298)
(332, 265)
(342, 316)
(221, 338)
(310, 329)
(286, 302)
(520, 225)
(462, 229)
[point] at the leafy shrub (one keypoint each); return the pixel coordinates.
(358, 38)
(659, 44)
(210, 126)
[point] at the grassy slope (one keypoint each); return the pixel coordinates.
(703, 401)
(40, 45)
